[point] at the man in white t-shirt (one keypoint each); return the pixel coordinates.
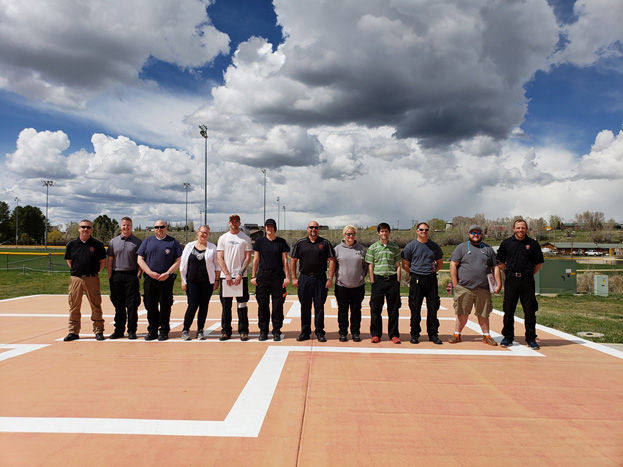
(233, 252)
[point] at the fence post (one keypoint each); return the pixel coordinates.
(49, 262)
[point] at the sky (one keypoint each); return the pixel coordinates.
(359, 111)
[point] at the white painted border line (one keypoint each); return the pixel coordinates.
(18, 349)
(246, 417)
(571, 338)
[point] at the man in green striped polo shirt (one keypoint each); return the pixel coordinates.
(384, 260)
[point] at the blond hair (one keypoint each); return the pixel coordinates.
(347, 228)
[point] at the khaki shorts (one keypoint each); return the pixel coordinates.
(465, 299)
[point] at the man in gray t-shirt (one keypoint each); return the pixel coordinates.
(123, 277)
(422, 258)
(470, 264)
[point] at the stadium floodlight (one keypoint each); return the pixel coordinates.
(186, 187)
(203, 130)
(47, 184)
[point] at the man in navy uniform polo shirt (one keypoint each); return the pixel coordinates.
(520, 258)
(159, 257)
(85, 257)
(313, 252)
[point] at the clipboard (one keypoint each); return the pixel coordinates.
(231, 290)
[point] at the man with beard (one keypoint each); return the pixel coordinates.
(470, 264)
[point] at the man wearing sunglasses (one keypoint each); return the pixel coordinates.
(470, 264)
(313, 252)
(422, 258)
(159, 256)
(85, 257)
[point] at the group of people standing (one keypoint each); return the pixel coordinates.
(475, 271)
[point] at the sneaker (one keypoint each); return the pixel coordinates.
(200, 335)
(396, 340)
(376, 340)
(186, 335)
(455, 339)
(533, 345)
(277, 337)
(356, 338)
(263, 336)
(71, 337)
(244, 336)
(506, 342)
(489, 340)
(343, 338)
(99, 336)
(224, 337)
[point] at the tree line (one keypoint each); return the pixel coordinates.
(31, 226)
(27, 221)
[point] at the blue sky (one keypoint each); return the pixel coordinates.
(361, 111)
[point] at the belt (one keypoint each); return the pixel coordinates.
(85, 275)
(135, 272)
(517, 274)
(386, 278)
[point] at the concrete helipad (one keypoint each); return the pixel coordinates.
(121, 402)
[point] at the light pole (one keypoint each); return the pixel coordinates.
(203, 130)
(16, 218)
(186, 187)
(47, 184)
(284, 217)
(264, 172)
(278, 209)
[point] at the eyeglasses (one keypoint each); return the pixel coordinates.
(350, 234)
(313, 227)
(87, 227)
(423, 230)
(475, 233)
(160, 226)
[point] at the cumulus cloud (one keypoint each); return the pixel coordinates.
(596, 35)
(436, 72)
(64, 53)
(605, 161)
(39, 154)
(351, 184)
(369, 110)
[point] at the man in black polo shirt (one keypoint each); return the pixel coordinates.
(85, 257)
(520, 257)
(313, 252)
(270, 276)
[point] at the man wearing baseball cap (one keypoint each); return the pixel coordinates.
(270, 276)
(233, 252)
(470, 264)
